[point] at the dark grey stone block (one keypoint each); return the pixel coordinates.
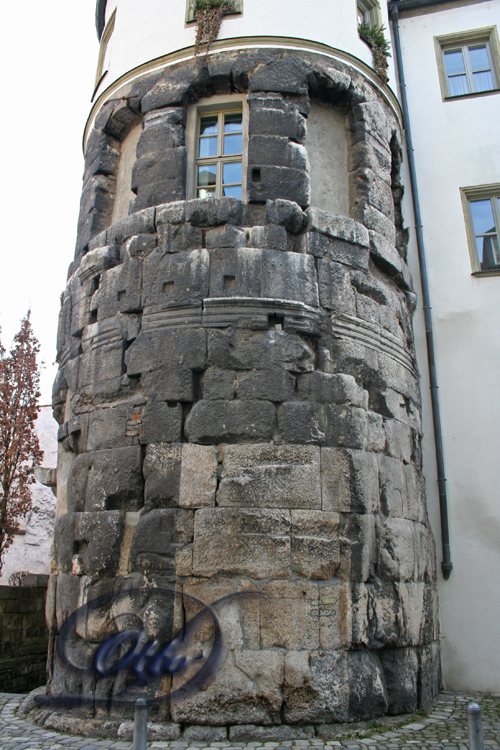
(173, 278)
(142, 222)
(346, 426)
(212, 212)
(163, 129)
(271, 115)
(162, 475)
(269, 385)
(277, 151)
(120, 290)
(115, 480)
(153, 350)
(140, 245)
(400, 667)
(235, 272)
(166, 167)
(282, 76)
(186, 82)
(270, 183)
(159, 534)
(172, 382)
(289, 276)
(288, 214)
(429, 673)
(219, 384)
(302, 422)
(99, 536)
(263, 350)
(64, 532)
(162, 423)
(178, 238)
(367, 691)
(335, 289)
(231, 421)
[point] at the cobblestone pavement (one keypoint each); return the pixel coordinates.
(445, 727)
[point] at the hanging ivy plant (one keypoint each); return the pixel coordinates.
(208, 14)
(375, 38)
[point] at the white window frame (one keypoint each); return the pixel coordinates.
(214, 105)
(476, 193)
(371, 12)
(463, 41)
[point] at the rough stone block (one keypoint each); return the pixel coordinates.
(289, 276)
(198, 479)
(400, 667)
(115, 480)
(287, 214)
(270, 236)
(349, 481)
(276, 151)
(270, 385)
(376, 616)
(396, 549)
(142, 222)
(67, 597)
(271, 183)
(225, 236)
(270, 476)
(162, 475)
(179, 238)
(376, 440)
(289, 615)
(331, 389)
(175, 278)
(302, 422)
(335, 289)
(346, 426)
(174, 382)
(359, 548)
(257, 542)
(282, 76)
(368, 185)
(64, 532)
(316, 687)
(140, 245)
(159, 349)
(367, 690)
(108, 426)
(262, 350)
(235, 273)
(373, 121)
(399, 440)
(271, 115)
(412, 612)
(392, 486)
(162, 423)
(230, 421)
(254, 733)
(219, 384)
(377, 221)
(385, 254)
(429, 674)
(338, 227)
(213, 212)
(163, 129)
(200, 733)
(158, 535)
(315, 544)
(99, 536)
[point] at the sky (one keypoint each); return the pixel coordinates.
(48, 56)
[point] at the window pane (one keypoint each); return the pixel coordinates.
(479, 58)
(483, 81)
(233, 144)
(233, 123)
(488, 250)
(208, 147)
(232, 173)
(458, 85)
(454, 62)
(209, 125)
(234, 192)
(482, 216)
(205, 193)
(207, 174)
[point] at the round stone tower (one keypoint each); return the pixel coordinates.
(238, 394)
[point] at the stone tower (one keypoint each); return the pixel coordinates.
(238, 394)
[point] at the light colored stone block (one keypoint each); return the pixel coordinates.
(270, 476)
(396, 549)
(198, 476)
(315, 544)
(349, 480)
(237, 541)
(290, 616)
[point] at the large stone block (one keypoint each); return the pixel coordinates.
(283, 76)
(349, 481)
(335, 289)
(376, 613)
(302, 422)
(162, 475)
(64, 533)
(154, 350)
(179, 238)
(235, 272)
(256, 542)
(359, 548)
(367, 689)
(338, 227)
(198, 480)
(289, 276)
(271, 115)
(261, 350)
(115, 480)
(271, 183)
(396, 549)
(277, 151)
(315, 544)
(400, 667)
(316, 687)
(269, 476)
(289, 615)
(163, 129)
(213, 212)
(270, 385)
(325, 388)
(429, 674)
(230, 421)
(157, 538)
(220, 384)
(287, 214)
(346, 426)
(175, 278)
(99, 537)
(119, 290)
(162, 422)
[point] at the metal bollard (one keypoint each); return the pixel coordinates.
(475, 727)
(140, 725)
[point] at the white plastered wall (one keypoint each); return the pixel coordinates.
(456, 145)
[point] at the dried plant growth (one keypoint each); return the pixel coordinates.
(19, 447)
(209, 15)
(375, 38)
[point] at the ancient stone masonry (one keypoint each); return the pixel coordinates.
(239, 404)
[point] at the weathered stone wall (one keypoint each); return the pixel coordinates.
(239, 404)
(23, 635)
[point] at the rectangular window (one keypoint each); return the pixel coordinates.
(482, 214)
(191, 15)
(219, 154)
(468, 62)
(369, 13)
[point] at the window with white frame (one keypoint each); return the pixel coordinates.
(482, 214)
(219, 154)
(368, 13)
(469, 62)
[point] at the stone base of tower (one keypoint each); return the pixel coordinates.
(239, 410)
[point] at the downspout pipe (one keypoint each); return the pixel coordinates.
(100, 17)
(446, 565)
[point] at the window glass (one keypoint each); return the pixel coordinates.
(220, 135)
(468, 68)
(454, 62)
(482, 216)
(486, 232)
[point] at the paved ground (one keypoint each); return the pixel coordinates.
(445, 728)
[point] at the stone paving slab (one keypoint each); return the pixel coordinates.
(443, 728)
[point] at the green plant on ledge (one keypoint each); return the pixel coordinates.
(375, 38)
(208, 14)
